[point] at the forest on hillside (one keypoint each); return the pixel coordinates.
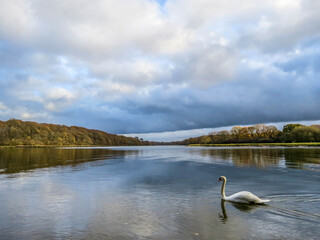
(16, 132)
(260, 133)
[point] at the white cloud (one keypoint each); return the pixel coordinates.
(59, 93)
(287, 25)
(26, 115)
(17, 20)
(104, 28)
(2, 106)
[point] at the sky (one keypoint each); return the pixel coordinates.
(160, 69)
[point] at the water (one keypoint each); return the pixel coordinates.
(158, 193)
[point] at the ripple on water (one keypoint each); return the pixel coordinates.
(293, 206)
(295, 197)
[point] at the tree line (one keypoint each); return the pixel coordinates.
(16, 132)
(260, 133)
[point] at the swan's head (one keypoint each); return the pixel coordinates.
(222, 178)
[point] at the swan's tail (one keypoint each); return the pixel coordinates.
(264, 201)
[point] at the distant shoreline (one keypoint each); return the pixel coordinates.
(302, 144)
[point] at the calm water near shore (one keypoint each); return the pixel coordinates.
(164, 192)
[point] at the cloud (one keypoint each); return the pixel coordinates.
(151, 66)
(206, 65)
(2, 106)
(59, 93)
(289, 25)
(17, 21)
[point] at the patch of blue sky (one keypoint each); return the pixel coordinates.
(161, 2)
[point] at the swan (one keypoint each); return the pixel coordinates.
(240, 197)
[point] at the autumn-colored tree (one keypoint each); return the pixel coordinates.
(17, 132)
(236, 132)
(271, 132)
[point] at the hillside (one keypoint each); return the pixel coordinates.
(16, 132)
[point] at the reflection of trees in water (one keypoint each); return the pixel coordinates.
(298, 158)
(242, 157)
(13, 160)
(265, 157)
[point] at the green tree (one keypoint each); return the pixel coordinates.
(205, 140)
(289, 127)
(305, 134)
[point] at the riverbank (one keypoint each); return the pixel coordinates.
(304, 144)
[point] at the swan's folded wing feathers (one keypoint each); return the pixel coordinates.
(244, 197)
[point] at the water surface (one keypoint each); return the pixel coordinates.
(158, 193)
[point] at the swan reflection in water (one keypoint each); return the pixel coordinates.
(248, 208)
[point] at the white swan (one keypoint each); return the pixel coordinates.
(240, 197)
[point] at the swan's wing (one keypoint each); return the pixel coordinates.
(244, 197)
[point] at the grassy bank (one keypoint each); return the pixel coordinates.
(304, 144)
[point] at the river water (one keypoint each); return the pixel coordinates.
(165, 192)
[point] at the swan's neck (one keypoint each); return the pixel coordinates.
(223, 186)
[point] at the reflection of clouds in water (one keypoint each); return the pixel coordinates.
(139, 213)
(59, 200)
(146, 214)
(241, 157)
(50, 204)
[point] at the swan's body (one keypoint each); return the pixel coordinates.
(240, 197)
